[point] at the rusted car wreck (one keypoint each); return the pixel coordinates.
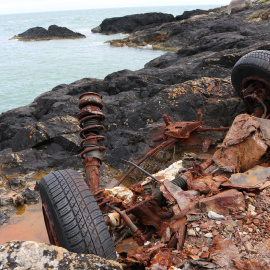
(147, 224)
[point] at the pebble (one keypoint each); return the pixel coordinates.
(191, 232)
(208, 235)
(230, 228)
(251, 209)
(205, 249)
(240, 216)
(205, 255)
(218, 222)
(214, 215)
(256, 221)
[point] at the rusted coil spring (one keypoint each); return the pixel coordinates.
(89, 133)
(90, 117)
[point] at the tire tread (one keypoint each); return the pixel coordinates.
(80, 218)
(253, 64)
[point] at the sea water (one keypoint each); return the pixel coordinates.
(28, 69)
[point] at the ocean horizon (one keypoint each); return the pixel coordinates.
(29, 69)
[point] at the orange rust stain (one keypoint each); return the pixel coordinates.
(13, 176)
(39, 175)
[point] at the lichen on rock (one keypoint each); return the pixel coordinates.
(18, 255)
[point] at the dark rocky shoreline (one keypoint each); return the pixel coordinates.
(213, 31)
(44, 134)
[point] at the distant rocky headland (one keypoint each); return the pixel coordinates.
(53, 32)
(193, 31)
(131, 23)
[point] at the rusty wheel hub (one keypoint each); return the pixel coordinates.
(50, 226)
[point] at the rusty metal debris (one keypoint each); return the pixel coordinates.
(174, 132)
(90, 116)
(244, 137)
(255, 93)
(149, 220)
(157, 211)
(135, 165)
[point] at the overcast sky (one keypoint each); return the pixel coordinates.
(24, 6)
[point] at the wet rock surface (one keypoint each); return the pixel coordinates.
(53, 32)
(43, 256)
(15, 192)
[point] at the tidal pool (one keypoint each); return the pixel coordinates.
(27, 225)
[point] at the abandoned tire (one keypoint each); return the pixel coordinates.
(252, 65)
(71, 212)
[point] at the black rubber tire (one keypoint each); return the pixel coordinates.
(253, 64)
(77, 219)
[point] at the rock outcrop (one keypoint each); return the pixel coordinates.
(131, 23)
(259, 16)
(53, 32)
(238, 5)
(19, 255)
(213, 31)
(190, 13)
(44, 134)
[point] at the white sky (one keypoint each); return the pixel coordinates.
(24, 6)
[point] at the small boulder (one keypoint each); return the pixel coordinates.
(30, 196)
(238, 5)
(3, 219)
(224, 203)
(18, 200)
(15, 182)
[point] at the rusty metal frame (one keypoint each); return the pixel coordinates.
(256, 90)
(53, 238)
